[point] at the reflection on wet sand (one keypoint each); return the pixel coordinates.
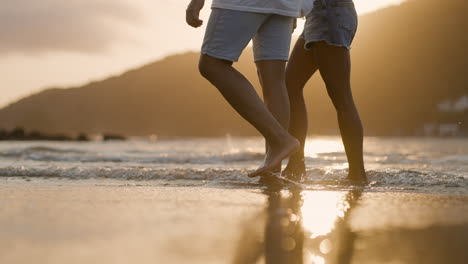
(344, 227)
(326, 221)
(302, 227)
(284, 233)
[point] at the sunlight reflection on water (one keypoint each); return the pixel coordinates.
(321, 210)
(325, 217)
(313, 147)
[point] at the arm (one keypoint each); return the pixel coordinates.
(192, 15)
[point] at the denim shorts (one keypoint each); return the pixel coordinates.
(332, 21)
(228, 33)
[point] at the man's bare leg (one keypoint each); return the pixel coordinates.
(300, 69)
(275, 95)
(241, 95)
(334, 64)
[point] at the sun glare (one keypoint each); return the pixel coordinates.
(321, 210)
(313, 147)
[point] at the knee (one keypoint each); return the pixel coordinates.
(342, 101)
(208, 66)
(343, 104)
(295, 91)
(333, 94)
(205, 67)
(294, 86)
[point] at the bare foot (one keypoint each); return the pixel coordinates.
(295, 170)
(359, 178)
(269, 179)
(274, 170)
(275, 155)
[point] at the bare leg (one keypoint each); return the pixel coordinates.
(335, 68)
(275, 94)
(302, 65)
(240, 94)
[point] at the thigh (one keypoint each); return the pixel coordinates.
(301, 66)
(228, 32)
(273, 39)
(335, 68)
(334, 64)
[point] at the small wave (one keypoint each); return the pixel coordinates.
(38, 150)
(394, 177)
(45, 154)
(50, 149)
(457, 159)
(72, 155)
(408, 179)
(125, 173)
(417, 178)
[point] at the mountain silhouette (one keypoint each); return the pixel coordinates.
(407, 59)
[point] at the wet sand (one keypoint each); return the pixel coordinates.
(110, 221)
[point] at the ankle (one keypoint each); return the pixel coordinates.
(357, 174)
(298, 156)
(286, 141)
(275, 142)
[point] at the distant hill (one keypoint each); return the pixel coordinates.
(407, 59)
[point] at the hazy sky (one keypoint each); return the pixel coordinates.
(46, 43)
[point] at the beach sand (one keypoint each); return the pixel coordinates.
(110, 221)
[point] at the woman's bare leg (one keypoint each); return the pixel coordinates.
(302, 65)
(334, 64)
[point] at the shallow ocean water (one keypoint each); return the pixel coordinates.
(429, 165)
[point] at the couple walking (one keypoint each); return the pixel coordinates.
(282, 117)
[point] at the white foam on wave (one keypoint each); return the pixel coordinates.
(125, 173)
(396, 163)
(383, 178)
(46, 154)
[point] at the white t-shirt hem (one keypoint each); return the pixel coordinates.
(256, 9)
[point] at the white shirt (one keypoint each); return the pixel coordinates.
(292, 8)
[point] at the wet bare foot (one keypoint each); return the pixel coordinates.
(295, 170)
(274, 170)
(357, 178)
(275, 155)
(269, 179)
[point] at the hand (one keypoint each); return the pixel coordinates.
(192, 14)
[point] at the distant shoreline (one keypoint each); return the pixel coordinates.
(20, 134)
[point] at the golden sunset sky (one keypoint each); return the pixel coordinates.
(66, 43)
